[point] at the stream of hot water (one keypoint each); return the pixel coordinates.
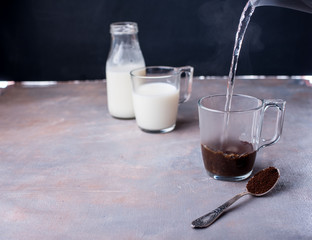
(301, 5)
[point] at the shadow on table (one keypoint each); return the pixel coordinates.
(184, 123)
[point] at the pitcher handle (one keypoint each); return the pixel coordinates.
(280, 105)
(185, 83)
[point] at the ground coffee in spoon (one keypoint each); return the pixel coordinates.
(263, 181)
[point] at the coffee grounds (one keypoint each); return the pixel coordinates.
(263, 181)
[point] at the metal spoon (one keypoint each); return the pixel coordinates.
(209, 218)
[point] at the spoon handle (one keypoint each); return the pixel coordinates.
(209, 218)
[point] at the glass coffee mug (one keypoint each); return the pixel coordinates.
(157, 92)
(230, 140)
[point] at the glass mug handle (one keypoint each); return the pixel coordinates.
(185, 83)
(280, 106)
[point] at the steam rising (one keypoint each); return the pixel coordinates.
(221, 18)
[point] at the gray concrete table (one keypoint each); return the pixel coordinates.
(68, 170)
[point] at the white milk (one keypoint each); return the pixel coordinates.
(156, 105)
(119, 91)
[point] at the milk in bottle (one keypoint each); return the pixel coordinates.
(125, 55)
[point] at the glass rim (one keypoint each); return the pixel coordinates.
(200, 105)
(175, 72)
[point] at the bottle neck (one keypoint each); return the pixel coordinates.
(125, 49)
(125, 39)
(124, 28)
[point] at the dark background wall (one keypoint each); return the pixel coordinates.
(69, 39)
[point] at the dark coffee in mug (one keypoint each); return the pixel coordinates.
(229, 150)
(234, 158)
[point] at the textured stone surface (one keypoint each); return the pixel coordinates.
(70, 171)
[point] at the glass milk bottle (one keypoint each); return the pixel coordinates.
(125, 55)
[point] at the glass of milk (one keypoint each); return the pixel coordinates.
(157, 92)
